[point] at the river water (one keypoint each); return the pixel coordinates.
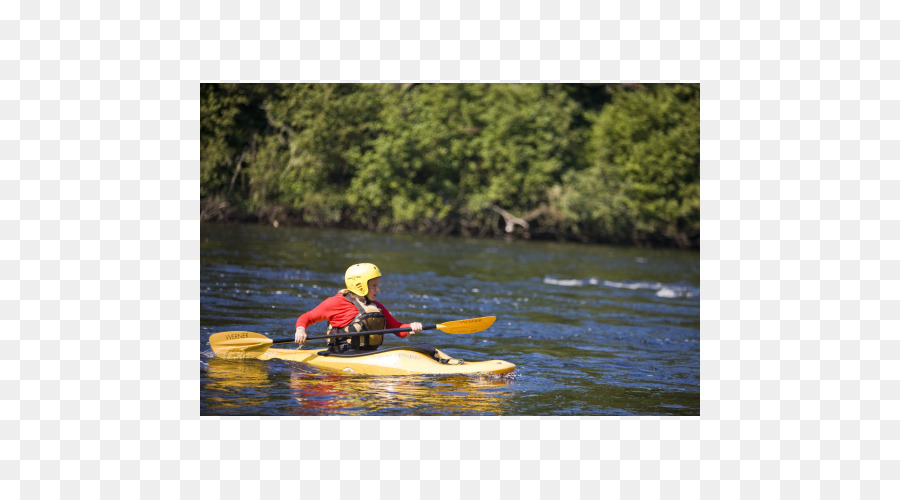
(592, 329)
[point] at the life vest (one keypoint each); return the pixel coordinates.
(369, 317)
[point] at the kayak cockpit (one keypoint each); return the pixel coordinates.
(426, 349)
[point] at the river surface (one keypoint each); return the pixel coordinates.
(592, 329)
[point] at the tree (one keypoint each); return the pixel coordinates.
(321, 131)
(643, 183)
(231, 117)
(615, 163)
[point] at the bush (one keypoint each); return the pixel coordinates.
(589, 162)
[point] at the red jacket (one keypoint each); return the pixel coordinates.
(338, 311)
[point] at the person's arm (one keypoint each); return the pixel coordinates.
(391, 322)
(319, 313)
(300, 335)
(329, 310)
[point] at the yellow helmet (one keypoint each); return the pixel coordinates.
(358, 275)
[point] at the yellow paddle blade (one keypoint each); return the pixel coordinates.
(239, 345)
(467, 325)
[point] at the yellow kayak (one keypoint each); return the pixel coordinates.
(411, 359)
(400, 360)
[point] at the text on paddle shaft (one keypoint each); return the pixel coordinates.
(237, 336)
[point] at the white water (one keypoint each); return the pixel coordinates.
(668, 291)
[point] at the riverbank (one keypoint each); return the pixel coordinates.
(590, 163)
(506, 226)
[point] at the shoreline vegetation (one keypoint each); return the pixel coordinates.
(594, 163)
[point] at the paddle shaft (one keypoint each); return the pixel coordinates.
(357, 334)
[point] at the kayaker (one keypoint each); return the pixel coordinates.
(354, 309)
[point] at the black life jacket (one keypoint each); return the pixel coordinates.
(369, 317)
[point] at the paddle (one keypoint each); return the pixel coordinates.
(248, 345)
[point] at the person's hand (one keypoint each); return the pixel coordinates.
(300, 335)
(416, 328)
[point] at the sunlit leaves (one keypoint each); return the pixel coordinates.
(597, 163)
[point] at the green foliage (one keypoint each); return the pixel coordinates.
(643, 182)
(410, 177)
(574, 161)
(524, 144)
(230, 118)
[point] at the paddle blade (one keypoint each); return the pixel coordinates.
(467, 325)
(239, 345)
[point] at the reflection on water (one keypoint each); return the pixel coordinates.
(238, 384)
(235, 385)
(399, 395)
(593, 330)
